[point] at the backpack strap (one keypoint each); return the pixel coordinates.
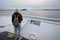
(17, 15)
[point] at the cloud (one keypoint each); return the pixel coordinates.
(30, 3)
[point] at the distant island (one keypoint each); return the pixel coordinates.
(24, 9)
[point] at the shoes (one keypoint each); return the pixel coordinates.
(17, 38)
(20, 37)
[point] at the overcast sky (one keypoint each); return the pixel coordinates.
(35, 4)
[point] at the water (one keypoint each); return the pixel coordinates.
(49, 14)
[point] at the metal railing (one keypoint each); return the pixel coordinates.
(55, 21)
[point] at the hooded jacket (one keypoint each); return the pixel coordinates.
(19, 16)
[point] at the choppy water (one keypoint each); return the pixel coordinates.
(49, 14)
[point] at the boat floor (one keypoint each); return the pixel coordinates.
(4, 36)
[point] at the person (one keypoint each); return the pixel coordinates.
(16, 21)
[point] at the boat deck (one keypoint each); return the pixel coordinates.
(4, 36)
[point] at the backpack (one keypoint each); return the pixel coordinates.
(16, 21)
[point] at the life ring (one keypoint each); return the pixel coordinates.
(32, 36)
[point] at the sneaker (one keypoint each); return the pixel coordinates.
(20, 37)
(17, 38)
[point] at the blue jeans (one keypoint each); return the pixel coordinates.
(17, 30)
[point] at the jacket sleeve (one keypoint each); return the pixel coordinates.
(20, 18)
(12, 18)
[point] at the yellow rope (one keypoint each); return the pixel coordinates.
(10, 35)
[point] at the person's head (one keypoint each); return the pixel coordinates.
(17, 10)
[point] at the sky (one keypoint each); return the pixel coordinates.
(30, 4)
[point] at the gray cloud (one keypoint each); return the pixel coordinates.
(30, 3)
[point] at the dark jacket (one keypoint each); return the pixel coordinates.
(19, 17)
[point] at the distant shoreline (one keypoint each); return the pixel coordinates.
(33, 10)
